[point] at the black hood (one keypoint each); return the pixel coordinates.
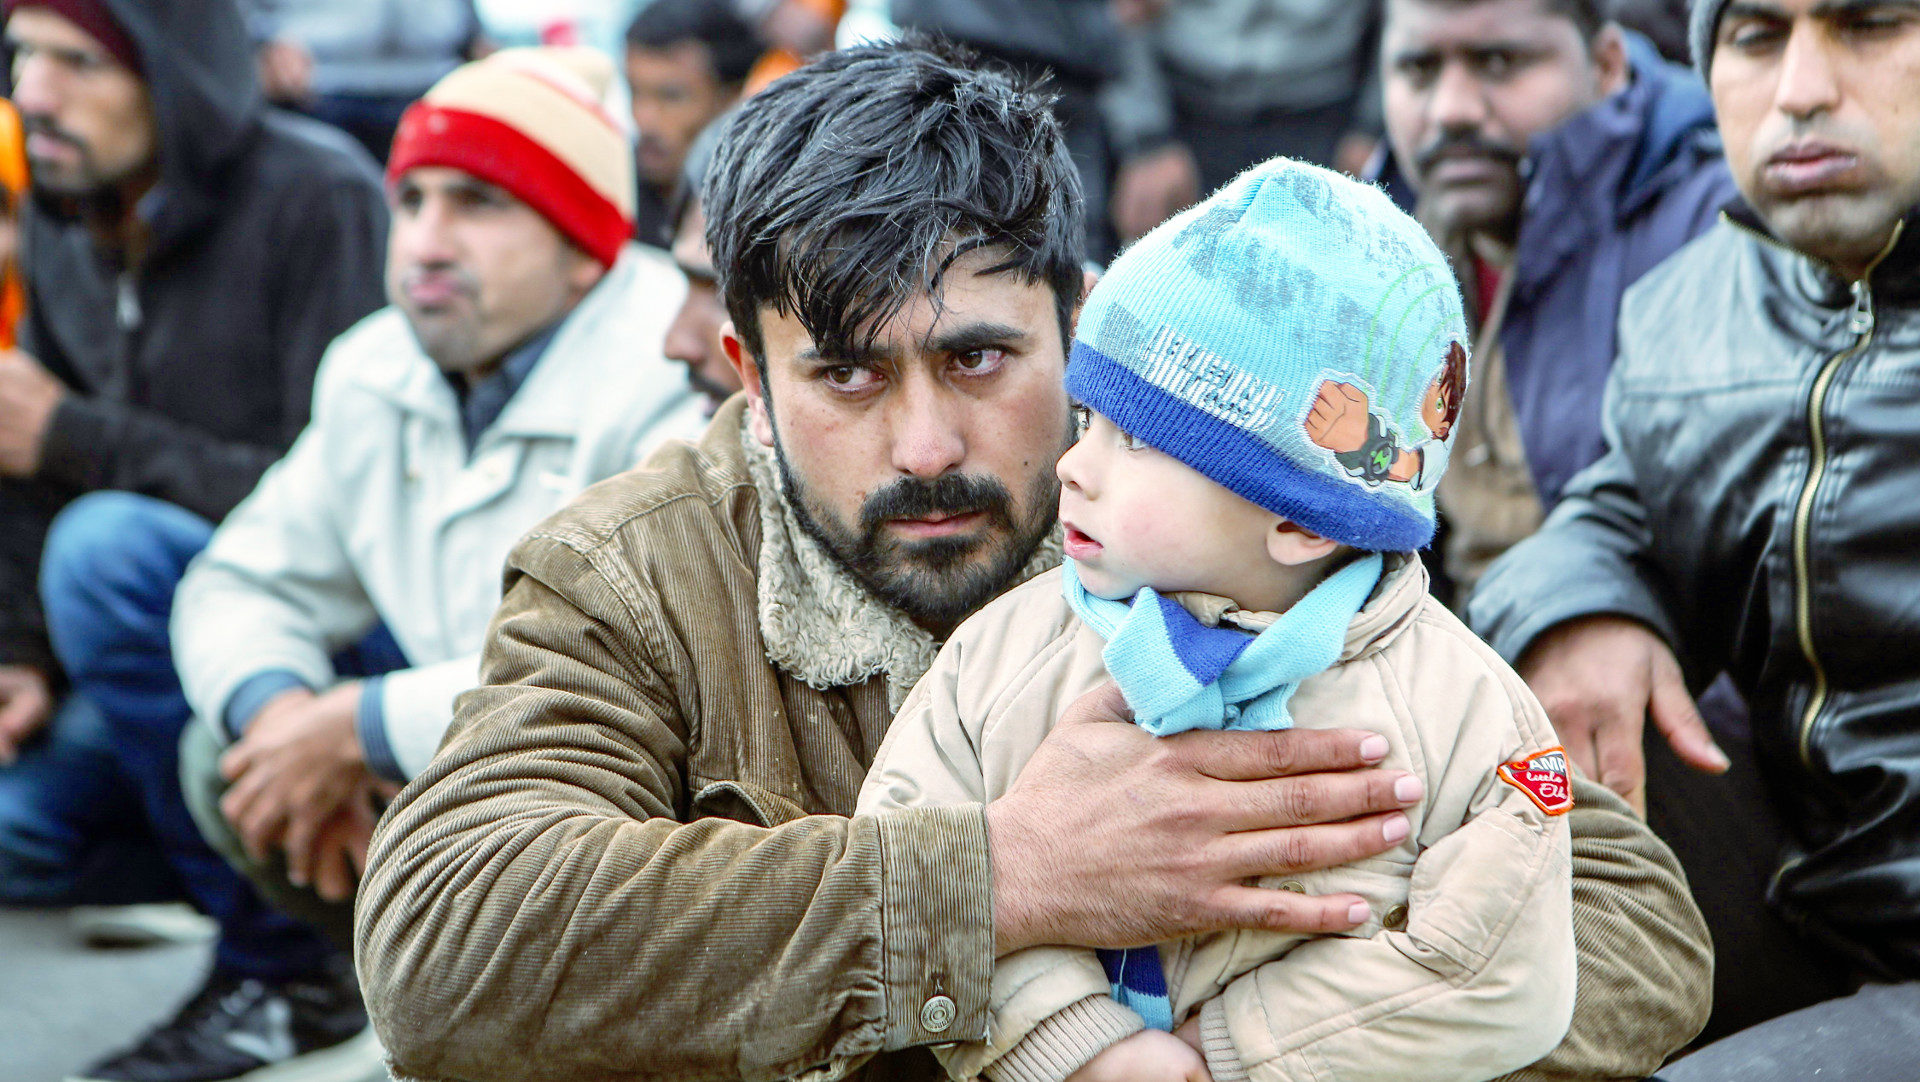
(198, 65)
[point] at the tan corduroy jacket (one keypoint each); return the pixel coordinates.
(631, 858)
(1472, 974)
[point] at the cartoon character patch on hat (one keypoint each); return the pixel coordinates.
(1340, 421)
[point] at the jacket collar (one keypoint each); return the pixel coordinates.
(1403, 585)
(1895, 279)
(548, 403)
(822, 627)
(1591, 175)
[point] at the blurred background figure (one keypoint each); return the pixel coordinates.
(191, 255)
(1235, 82)
(358, 64)
(686, 62)
(693, 338)
(1556, 158)
(1663, 22)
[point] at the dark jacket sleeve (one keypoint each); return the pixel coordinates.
(1591, 558)
(23, 531)
(328, 254)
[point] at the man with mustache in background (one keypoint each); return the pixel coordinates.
(1556, 158)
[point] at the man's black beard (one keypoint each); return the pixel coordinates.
(931, 581)
(105, 204)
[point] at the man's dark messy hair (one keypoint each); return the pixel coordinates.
(844, 190)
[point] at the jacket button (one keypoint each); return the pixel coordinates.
(1395, 920)
(1293, 885)
(937, 1014)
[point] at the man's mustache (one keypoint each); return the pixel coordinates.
(37, 124)
(950, 494)
(1465, 144)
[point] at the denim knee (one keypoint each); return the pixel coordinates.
(107, 576)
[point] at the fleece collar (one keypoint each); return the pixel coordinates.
(820, 625)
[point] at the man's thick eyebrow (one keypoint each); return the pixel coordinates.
(870, 355)
(1825, 9)
(967, 337)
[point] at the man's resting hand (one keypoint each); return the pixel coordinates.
(1112, 837)
(1600, 678)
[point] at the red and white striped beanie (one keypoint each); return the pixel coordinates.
(532, 122)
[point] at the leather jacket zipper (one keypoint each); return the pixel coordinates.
(1860, 324)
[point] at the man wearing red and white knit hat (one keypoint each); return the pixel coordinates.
(518, 363)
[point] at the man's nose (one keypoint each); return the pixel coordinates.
(1459, 100)
(929, 429)
(1809, 83)
(35, 92)
(684, 342)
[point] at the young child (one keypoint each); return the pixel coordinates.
(1269, 383)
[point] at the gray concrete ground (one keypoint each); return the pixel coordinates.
(63, 1005)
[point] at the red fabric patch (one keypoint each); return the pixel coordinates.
(1543, 777)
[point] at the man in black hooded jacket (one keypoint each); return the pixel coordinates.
(189, 256)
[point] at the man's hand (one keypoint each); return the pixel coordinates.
(25, 706)
(299, 781)
(1600, 678)
(1112, 837)
(1151, 188)
(1151, 1055)
(28, 396)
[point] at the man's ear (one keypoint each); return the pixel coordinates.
(745, 367)
(1610, 58)
(1292, 544)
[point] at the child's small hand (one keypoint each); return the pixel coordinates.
(1151, 1055)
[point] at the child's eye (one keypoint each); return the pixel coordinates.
(1082, 417)
(1132, 442)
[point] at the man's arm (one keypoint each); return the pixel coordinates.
(1645, 959)
(1581, 611)
(330, 272)
(535, 906)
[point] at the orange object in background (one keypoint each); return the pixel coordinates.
(13, 180)
(780, 60)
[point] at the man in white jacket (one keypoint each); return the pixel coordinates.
(518, 363)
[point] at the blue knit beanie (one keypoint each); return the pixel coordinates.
(1298, 339)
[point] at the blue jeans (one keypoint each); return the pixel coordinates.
(109, 766)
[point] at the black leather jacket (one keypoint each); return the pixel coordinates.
(1759, 506)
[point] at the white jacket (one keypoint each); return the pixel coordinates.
(378, 513)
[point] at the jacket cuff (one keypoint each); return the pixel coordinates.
(936, 924)
(1511, 638)
(254, 693)
(370, 725)
(1065, 1042)
(1216, 1043)
(73, 451)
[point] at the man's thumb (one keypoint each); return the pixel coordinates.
(1675, 715)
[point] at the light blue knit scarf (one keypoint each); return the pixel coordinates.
(1179, 674)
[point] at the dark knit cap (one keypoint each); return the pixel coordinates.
(93, 17)
(1703, 24)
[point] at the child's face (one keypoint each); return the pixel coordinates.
(1137, 517)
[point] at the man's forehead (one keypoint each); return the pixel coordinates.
(46, 28)
(1442, 25)
(1819, 9)
(448, 179)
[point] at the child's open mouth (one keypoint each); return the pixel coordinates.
(1079, 546)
